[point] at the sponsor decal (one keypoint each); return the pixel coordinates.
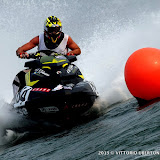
(93, 87)
(51, 109)
(67, 87)
(59, 87)
(79, 105)
(41, 89)
(41, 71)
(59, 72)
(23, 111)
(70, 68)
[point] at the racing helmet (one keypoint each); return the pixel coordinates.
(52, 26)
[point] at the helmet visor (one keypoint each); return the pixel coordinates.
(52, 30)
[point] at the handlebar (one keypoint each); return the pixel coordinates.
(34, 55)
(40, 54)
(37, 55)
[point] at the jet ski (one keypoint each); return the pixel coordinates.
(51, 88)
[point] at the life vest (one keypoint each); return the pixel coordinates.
(61, 48)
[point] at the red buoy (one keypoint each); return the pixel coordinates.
(142, 73)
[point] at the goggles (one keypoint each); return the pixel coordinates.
(53, 30)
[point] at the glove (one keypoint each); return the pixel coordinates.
(23, 55)
(70, 54)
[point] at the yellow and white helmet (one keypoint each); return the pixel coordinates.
(52, 24)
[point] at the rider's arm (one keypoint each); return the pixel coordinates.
(31, 44)
(75, 50)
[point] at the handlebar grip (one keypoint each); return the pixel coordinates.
(31, 56)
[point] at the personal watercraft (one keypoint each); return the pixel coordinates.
(52, 88)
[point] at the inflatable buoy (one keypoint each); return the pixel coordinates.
(142, 73)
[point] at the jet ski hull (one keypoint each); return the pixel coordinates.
(62, 102)
(52, 88)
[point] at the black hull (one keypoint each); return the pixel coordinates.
(53, 89)
(61, 104)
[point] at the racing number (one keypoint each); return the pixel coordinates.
(23, 95)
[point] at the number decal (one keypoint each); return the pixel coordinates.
(22, 96)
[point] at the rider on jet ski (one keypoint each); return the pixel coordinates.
(53, 39)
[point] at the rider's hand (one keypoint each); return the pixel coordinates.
(70, 54)
(23, 55)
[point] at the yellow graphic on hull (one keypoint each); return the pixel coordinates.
(28, 81)
(64, 65)
(46, 67)
(81, 76)
(54, 61)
